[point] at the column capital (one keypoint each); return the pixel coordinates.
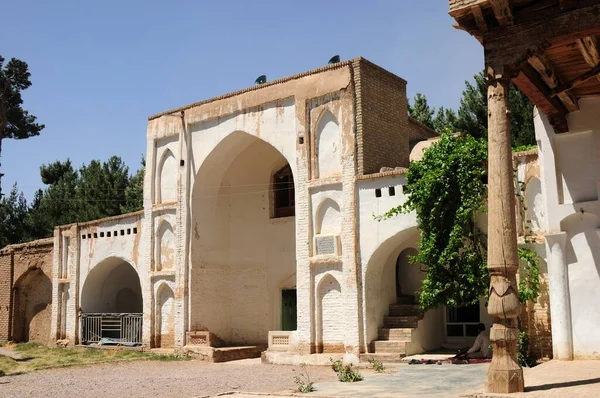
(555, 238)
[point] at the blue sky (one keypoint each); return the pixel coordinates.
(99, 69)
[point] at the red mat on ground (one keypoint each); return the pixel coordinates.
(480, 360)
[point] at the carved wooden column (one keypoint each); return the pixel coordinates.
(504, 375)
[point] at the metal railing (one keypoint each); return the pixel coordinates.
(114, 328)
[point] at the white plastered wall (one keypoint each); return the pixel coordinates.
(241, 257)
(569, 171)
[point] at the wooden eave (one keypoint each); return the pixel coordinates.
(548, 47)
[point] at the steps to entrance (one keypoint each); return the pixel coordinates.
(396, 332)
(400, 322)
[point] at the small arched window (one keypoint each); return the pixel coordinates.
(283, 193)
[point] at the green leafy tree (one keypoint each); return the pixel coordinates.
(57, 204)
(421, 111)
(446, 189)
(101, 189)
(13, 211)
(473, 117)
(15, 122)
(445, 121)
(134, 193)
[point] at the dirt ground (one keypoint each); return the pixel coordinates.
(151, 378)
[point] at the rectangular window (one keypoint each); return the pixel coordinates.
(463, 321)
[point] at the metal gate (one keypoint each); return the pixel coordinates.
(115, 328)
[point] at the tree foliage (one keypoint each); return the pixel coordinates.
(13, 211)
(472, 118)
(446, 190)
(134, 193)
(96, 190)
(15, 122)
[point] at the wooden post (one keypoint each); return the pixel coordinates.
(504, 375)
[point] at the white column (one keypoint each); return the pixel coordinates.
(560, 301)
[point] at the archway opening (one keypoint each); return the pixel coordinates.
(111, 303)
(243, 243)
(32, 307)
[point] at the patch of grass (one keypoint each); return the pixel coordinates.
(37, 356)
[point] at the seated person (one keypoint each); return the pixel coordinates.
(481, 348)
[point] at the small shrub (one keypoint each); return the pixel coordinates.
(377, 365)
(523, 356)
(345, 374)
(305, 385)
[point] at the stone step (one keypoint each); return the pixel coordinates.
(400, 321)
(384, 358)
(405, 299)
(389, 347)
(399, 334)
(405, 310)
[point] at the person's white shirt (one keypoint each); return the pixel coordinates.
(482, 343)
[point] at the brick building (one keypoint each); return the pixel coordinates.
(258, 230)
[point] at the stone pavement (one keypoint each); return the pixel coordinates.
(437, 381)
(557, 379)
(554, 379)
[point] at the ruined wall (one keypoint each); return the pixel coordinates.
(26, 291)
(382, 118)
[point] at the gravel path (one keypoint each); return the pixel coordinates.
(153, 378)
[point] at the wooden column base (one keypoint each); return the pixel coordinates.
(504, 381)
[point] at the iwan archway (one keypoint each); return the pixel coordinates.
(243, 250)
(111, 304)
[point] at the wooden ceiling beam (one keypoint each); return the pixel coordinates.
(532, 85)
(479, 19)
(547, 72)
(567, 4)
(513, 45)
(588, 46)
(502, 11)
(595, 71)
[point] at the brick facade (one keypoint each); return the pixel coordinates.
(25, 291)
(382, 128)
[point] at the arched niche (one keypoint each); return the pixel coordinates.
(32, 307)
(165, 247)
(330, 333)
(166, 184)
(328, 217)
(408, 276)
(535, 211)
(329, 146)
(165, 317)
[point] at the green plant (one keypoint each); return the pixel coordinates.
(345, 373)
(377, 365)
(305, 385)
(523, 356)
(523, 148)
(447, 190)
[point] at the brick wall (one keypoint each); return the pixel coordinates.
(382, 125)
(419, 132)
(535, 319)
(29, 267)
(5, 294)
